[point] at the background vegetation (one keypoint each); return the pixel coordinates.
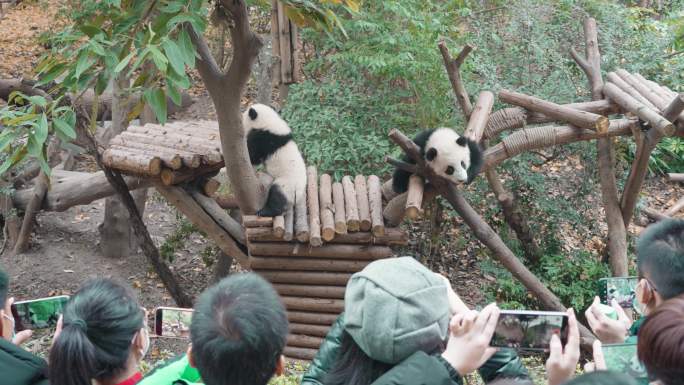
(389, 74)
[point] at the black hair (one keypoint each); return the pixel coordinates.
(353, 366)
(660, 256)
(238, 331)
(602, 378)
(99, 324)
(4, 287)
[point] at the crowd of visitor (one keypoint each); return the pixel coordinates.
(402, 324)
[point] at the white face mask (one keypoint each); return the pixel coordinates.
(637, 304)
(146, 342)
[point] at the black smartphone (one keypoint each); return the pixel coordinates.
(623, 358)
(622, 289)
(40, 313)
(172, 322)
(529, 330)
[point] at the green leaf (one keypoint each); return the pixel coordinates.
(64, 127)
(90, 30)
(41, 131)
(51, 74)
(123, 63)
(16, 157)
(156, 99)
(6, 138)
(172, 7)
(38, 100)
(173, 53)
(173, 93)
(159, 59)
(83, 63)
(187, 48)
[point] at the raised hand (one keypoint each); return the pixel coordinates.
(562, 361)
(470, 333)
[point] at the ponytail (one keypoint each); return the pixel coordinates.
(72, 357)
(100, 321)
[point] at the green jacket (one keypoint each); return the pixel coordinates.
(19, 367)
(504, 364)
(176, 371)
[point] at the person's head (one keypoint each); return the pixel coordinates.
(238, 332)
(103, 337)
(6, 323)
(393, 308)
(660, 344)
(660, 263)
(602, 378)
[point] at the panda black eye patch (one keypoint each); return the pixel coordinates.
(463, 165)
(449, 170)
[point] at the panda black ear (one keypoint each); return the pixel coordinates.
(431, 154)
(252, 113)
(462, 141)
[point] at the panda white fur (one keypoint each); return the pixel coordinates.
(269, 141)
(450, 155)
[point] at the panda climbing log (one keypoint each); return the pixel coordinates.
(269, 142)
(448, 154)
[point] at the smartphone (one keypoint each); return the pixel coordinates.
(172, 322)
(40, 313)
(529, 330)
(623, 358)
(622, 289)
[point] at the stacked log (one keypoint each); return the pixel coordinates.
(170, 151)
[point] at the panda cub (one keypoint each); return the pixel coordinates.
(269, 141)
(450, 155)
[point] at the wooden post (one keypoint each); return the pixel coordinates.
(674, 177)
(338, 201)
(453, 71)
(301, 219)
(480, 116)
(578, 118)
(414, 197)
(289, 225)
(362, 202)
(314, 208)
(327, 208)
(350, 208)
(191, 209)
(375, 202)
(279, 226)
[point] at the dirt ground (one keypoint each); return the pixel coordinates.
(64, 250)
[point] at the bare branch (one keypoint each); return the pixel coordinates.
(581, 62)
(453, 71)
(400, 164)
(207, 64)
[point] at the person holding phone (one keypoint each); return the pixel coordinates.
(101, 337)
(660, 267)
(18, 367)
(398, 318)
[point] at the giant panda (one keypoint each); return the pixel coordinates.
(269, 141)
(450, 155)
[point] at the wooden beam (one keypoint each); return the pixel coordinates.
(194, 212)
(575, 117)
(353, 252)
(480, 116)
(665, 127)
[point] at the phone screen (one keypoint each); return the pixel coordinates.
(529, 330)
(623, 358)
(622, 289)
(172, 322)
(38, 313)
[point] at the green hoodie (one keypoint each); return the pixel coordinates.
(176, 371)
